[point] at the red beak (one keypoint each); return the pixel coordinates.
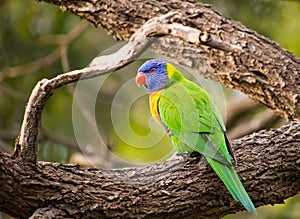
(140, 78)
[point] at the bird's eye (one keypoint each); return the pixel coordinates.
(152, 70)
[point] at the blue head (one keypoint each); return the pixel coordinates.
(153, 75)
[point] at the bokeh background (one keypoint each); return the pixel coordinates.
(38, 40)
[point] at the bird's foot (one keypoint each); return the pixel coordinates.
(194, 158)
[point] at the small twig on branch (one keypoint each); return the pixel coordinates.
(67, 142)
(12, 92)
(5, 147)
(44, 135)
(65, 39)
(26, 144)
(4, 134)
(62, 40)
(33, 66)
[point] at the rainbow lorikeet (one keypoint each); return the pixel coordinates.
(192, 121)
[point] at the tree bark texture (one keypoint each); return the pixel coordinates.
(268, 161)
(269, 167)
(263, 70)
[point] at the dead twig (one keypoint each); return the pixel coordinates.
(59, 53)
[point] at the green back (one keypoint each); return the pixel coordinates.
(194, 121)
(194, 124)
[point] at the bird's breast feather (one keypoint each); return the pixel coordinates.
(153, 100)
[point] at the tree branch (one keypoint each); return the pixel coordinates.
(26, 144)
(48, 212)
(263, 70)
(268, 167)
(62, 40)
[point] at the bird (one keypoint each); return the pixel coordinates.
(192, 121)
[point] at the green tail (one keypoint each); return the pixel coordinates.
(233, 184)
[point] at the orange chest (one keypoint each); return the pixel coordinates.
(153, 101)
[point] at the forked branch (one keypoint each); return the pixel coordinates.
(26, 145)
(174, 185)
(262, 70)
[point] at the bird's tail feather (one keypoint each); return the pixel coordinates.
(233, 184)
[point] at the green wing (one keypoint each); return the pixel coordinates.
(193, 121)
(194, 124)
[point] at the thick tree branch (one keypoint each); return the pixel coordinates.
(26, 144)
(268, 165)
(263, 70)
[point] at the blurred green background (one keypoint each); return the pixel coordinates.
(92, 123)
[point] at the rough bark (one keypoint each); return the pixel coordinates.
(264, 71)
(26, 143)
(268, 165)
(268, 161)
